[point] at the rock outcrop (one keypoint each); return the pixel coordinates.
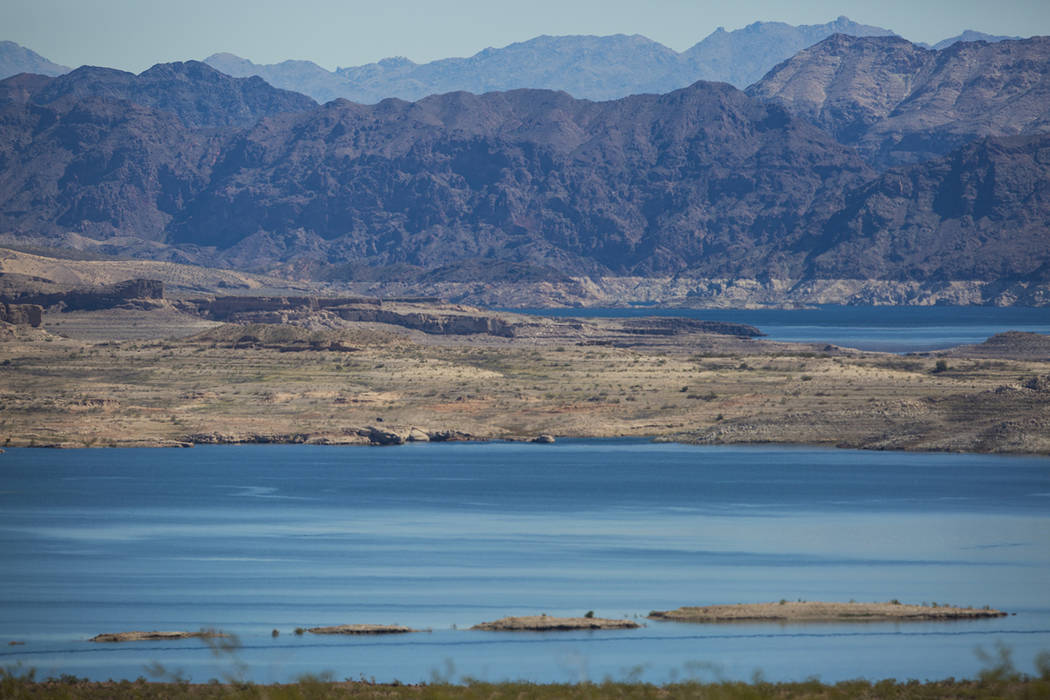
(436, 323)
(94, 298)
(370, 435)
(21, 314)
(411, 313)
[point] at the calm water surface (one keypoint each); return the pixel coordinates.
(254, 538)
(879, 328)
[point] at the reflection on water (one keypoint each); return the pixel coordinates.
(255, 538)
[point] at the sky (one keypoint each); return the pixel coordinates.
(135, 34)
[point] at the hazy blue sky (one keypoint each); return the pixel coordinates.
(134, 34)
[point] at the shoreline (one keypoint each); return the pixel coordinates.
(478, 440)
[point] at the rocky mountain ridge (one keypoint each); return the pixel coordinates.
(196, 93)
(899, 103)
(705, 191)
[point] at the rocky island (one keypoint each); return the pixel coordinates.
(811, 611)
(361, 629)
(139, 636)
(545, 623)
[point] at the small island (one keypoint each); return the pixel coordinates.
(361, 629)
(139, 636)
(807, 611)
(544, 623)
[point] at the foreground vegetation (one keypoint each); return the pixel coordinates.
(1014, 687)
(998, 679)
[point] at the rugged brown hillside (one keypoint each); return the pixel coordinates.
(978, 213)
(97, 166)
(701, 177)
(900, 103)
(692, 190)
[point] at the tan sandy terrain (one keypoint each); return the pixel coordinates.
(806, 611)
(544, 623)
(177, 277)
(124, 377)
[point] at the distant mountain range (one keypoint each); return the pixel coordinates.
(786, 185)
(590, 67)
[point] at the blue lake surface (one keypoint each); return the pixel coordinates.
(879, 328)
(249, 539)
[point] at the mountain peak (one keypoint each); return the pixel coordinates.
(189, 69)
(898, 102)
(970, 35)
(15, 59)
(199, 95)
(743, 56)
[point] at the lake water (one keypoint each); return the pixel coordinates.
(880, 328)
(253, 538)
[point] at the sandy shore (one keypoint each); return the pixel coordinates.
(820, 612)
(544, 623)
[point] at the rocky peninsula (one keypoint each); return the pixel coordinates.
(291, 367)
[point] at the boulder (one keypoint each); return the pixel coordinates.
(417, 435)
(381, 436)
